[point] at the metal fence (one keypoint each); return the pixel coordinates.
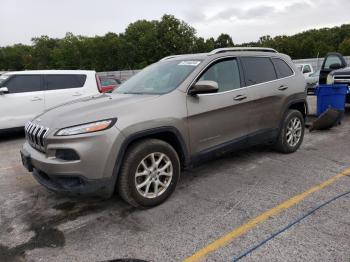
(122, 75)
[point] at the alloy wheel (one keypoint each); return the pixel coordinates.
(153, 175)
(294, 131)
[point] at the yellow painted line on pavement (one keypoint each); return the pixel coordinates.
(226, 239)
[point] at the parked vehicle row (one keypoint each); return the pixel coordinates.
(334, 70)
(170, 116)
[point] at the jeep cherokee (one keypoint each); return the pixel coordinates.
(171, 115)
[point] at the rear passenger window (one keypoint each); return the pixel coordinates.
(225, 73)
(23, 83)
(282, 68)
(54, 82)
(258, 70)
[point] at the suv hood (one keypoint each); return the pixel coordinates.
(343, 71)
(89, 109)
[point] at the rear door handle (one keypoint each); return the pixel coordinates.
(283, 87)
(77, 94)
(36, 98)
(240, 97)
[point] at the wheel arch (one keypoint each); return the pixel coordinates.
(167, 133)
(300, 105)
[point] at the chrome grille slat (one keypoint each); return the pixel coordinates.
(32, 134)
(342, 79)
(35, 135)
(39, 134)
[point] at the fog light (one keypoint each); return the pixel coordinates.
(67, 154)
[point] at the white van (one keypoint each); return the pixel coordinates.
(25, 94)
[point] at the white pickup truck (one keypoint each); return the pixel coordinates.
(306, 69)
(25, 94)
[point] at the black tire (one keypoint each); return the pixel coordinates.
(133, 158)
(282, 144)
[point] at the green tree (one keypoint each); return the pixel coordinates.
(210, 44)
(145, 42)
(42, 52)
(223, 40)
(16, 57)
(140, 44)
(175, 36)
(344, 47)
(68, 53)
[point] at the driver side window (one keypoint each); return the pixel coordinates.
(307, 69)
(332, 59)
(225, 73)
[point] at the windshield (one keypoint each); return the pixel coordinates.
(3, 78)
(159, 78)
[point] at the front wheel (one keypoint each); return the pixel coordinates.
(291, 133)
(149, 173)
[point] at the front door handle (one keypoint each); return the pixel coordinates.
(240, 97)
(283, 87)
(36, 98)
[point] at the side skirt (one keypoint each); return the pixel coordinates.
(266, 136)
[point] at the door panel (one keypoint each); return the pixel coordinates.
(260, 76)
(24, 101)
(267, 102)
(219, 118)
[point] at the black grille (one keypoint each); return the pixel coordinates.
(342, 79)
(35, 135)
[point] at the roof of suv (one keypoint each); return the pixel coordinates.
(47, 72)
(240, 51)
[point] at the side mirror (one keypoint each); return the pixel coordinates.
(335, 66)
(204, 87)
(3, 90)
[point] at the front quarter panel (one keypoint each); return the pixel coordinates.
(168, 110)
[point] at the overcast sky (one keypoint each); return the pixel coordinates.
(244, 20)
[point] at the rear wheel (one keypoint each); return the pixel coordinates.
(149, 173)
(291, 133)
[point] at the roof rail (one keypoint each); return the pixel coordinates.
(237, 49)
(171, 56)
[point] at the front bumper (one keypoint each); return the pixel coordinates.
(90, 174)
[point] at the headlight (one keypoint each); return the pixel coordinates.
(86, 128)
(330, 80)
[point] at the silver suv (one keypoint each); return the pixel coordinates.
(173, 114)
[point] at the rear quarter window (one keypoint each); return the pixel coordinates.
(55, 82)
(258, 70)
(282, 68)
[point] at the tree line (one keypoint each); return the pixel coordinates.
(145, 42)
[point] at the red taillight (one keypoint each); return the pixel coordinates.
(99, 86)
(105, 89)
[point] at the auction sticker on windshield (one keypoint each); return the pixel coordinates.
(189, 63)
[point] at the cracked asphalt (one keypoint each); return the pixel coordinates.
(210, 201)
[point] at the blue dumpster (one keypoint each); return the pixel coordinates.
(330, 96)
